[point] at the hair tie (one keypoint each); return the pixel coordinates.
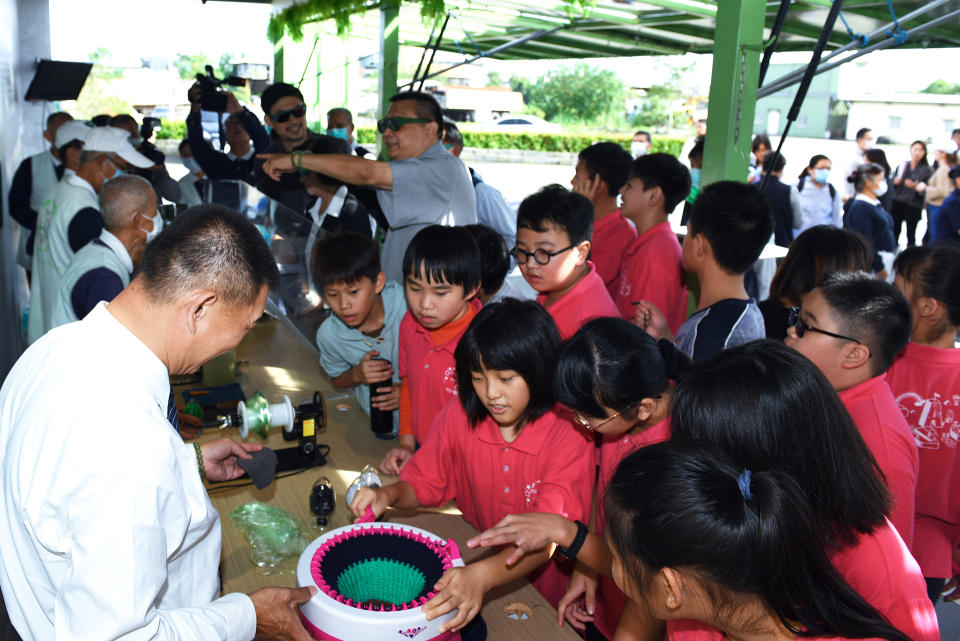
(744, 482)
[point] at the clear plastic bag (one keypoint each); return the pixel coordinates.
(272, 532)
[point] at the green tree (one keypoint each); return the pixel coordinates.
(96, 97)
(583, 94)
(494, 79)
(657, 107)
(189, 65)
(225, 66)
(941, 86)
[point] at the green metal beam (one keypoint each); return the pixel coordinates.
(390, 55)
(733, 90)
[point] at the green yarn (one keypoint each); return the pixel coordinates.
(383, 580)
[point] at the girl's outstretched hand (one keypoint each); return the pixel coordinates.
(528, 532)
(460, 589)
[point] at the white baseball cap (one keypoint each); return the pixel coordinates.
(947, 146)
(70, 131)
(114, 140)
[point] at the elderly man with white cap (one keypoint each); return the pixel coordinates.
(70, 218)
(940, 185)
(69, 144)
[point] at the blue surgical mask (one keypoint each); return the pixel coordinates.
(821, 175)
(695, 178)
(338, 132)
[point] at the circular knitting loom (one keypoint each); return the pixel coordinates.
(372, 581)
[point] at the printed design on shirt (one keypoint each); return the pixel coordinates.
(625, 288)
(934, 420)
(530, 492)
(450, 381)
(410, 633)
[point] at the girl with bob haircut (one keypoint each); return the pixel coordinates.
(815, 253)
(501, 448)
(925, 376)
(698, 536)
(618, 381)
(774, 409)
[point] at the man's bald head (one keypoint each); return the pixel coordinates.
(124, 196)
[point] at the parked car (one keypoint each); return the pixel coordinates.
(522, 123)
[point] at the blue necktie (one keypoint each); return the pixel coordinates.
(172, 413)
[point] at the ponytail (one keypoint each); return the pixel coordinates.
(813, 163)
(675, 362)
(684, 504)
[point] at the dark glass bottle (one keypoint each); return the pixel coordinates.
(381, 422)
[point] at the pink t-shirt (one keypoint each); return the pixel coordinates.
(431, 372)
(611, 235)
(548, 468)
(587, 300)
(690, 630)
(925, 381)
(653, 271)
(610, 599)
(880, 569)
(881, 424)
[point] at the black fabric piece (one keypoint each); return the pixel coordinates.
(94, 286)
(86, 225)
(262, 468)
(712, 335)
(353, 217)
(19, 196)
(476, 630)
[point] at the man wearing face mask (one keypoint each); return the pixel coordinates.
(640, 144)
(243, 133)
(70, 217)
(340, 125)
(102, 267)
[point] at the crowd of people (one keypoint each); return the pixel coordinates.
(656, 446)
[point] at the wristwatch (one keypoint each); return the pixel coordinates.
(571, 552)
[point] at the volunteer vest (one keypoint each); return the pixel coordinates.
(94, 255)
(44, 175)
(51, 251)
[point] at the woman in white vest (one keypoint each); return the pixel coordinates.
(70, 218)
(102, 268)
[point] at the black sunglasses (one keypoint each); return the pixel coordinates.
(802, 328)
(283, 116)
(394, 123)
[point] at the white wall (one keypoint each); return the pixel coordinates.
(916, 121)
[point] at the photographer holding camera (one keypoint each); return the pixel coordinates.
(240, 129)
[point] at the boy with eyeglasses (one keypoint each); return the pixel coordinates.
(851, 327)
(554, 229)
(653, 261)
(421, 185)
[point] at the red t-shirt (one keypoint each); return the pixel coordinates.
(880, 569)
(547, 468)
(881, 424)
(925, 381)
(611, 235)
(653, 271)
(587, 300)
(429, 370)
(690, 630)
(610, 599)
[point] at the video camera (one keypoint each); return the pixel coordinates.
(149, 125)
(212, 99)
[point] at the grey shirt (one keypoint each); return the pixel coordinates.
(724, 324)
(433, 189)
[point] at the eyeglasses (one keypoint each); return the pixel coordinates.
(394, 123)
(542, 256)
(283, 116)
(802, 328)
(582, 422)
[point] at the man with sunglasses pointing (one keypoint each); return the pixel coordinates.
(421, 185)
(285, 113)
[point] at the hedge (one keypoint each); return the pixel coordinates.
(570, 143)
(172, 130)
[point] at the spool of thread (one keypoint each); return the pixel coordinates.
(258, 416)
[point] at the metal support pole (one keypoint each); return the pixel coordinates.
(389, 55)
(738, 39)
(436, 45)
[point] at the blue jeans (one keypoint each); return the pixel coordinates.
(933, 211)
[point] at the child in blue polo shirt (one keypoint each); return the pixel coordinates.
(359, 343)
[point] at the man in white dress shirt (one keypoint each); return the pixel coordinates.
(106, 529)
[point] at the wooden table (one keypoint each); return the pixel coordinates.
(280, 365)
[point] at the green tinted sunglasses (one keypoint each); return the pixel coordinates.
(395, 122)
